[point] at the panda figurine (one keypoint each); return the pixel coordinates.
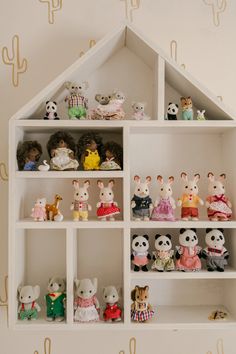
(172, 111)
(140, 256)
(51, 110)
(163, 256)
(215, 253)
(187, 255)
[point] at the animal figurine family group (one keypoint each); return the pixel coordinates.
(43, 211)
(90, 153)
(219, 207)
(188, 254)
(187, 110)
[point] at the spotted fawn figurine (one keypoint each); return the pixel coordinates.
(141, 202)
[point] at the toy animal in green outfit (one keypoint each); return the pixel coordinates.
(55, 299)
(77, 102)
(28, 308)
(187, 108)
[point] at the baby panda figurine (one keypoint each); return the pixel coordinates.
(215, 253)
(140, 256)
(51, 110)
(172, 111)
(187, 255)
(163, 256)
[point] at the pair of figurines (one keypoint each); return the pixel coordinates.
(43, 211)
(218, 205)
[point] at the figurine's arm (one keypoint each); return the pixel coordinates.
(72, 206)
(149, 256)
(133, 204)
(38, 308)
(115, 203)
(53, 152)
(89, 207)
(229, 204)
(180, 201)
(157, 201)
(200, 201)
(99, 204)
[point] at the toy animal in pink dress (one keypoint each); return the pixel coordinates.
(140, 256)
(39, 210)
(187, 255)
(218, 205)
(86, 304)
(107, 208)
(164, 205)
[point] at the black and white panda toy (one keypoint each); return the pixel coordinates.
(172, 111)
(215, 253)
(140, 256)
(163, 256)
(51, 110)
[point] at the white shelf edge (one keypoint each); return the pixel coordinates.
(69, 174)
(28, 224)
(201, 224)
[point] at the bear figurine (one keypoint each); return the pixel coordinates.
(112, 312)
(188, 252)
(28, 308)
(55, 299)
(140, 256)
(163, 256)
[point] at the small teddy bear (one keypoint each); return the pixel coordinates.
(102, 99)
(164, 205)
(138, 111)
(140, 256)
(107, 208)
(190, 200)
(188, 251)
(201, 115)
(164, 255)
(86, 304)
(80, 205)
(215, 253)
(112, 312)
(39, 210)
(141, 310)
(55, 299)
(28, 308)
(187, 108)
(77, 102)
(141, 202)
(218, 205)
(51, 111)
(172, 111)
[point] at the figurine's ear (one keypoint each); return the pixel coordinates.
(196, 177)
(146, 287)
(184, 176)
(134, 236)
(222, 177)
(182, 231)
(77, 281)
(97, 97)
(100, 184)
(221, 230)
(86, 184)
(146, 236)
(19, 288)
(119, 291)
(157, 236)
(169, 103)
(148, 179)
(194, 230)
(75, 183)
(67, 85)
(208, 230)
(47, 102)
(169, 236)
(182, 99)
(103, 290)
(55, 103)
(204, 111)
(111, 183)
(160, 179)
(177, 105)
(49, 280)
(137, 179)
(171, 179)
(210, 176)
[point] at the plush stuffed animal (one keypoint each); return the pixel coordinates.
(90, 150)
(141, 202)
(138, 111)
(86, 304)
(39, 210)
(140, 256)
(112, 110)
(51, 110)
(112, 312)
(163, 256)
(107, 208)
(141, 310)
(77, 102)
(218, 205)
(164, 205)
(28, 308)
(201, 115)
(55, 299)
(187, 108)
(172, 111)
(190, 200)
(114, 157)
(80, 204)
(28, 154)
(215, 253)
(188, 251)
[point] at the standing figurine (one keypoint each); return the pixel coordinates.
(141, 202)
(51, 111)
(188, 251)
(172, 111)
(140, 256)
(114, 157)
(55, 299)
(28, 308)
(187, 108)
(52, 210)
(39, 210)
(164, 255)
(28, 154)
(77, 102)
(141, 310)
(138, 111)
(218, 205)
(112, 312)
(190, 200)
(80, 204)
(201, 115)
(164, 205)
(61, 149)
(86, 304)
(90, 150)
(107, 208)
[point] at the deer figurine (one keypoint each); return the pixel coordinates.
(52, 210)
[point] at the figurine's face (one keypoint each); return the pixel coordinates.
(215, 238)
(92, 145)
(62, 144)
(109, 154)
(188, 238)
(110, 294)
(163, 243)
(33, 154)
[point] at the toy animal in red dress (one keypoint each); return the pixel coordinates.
(107, 208)
(112, 312)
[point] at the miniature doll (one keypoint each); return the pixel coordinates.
(39, 210)
(51, 111)
(80, 204)
(201, 115)
(188, 252)
(140, 256)
(112, 110)
(187, 108)
(77, 102)
(90, 151)
(141, 310)
(61, 149)
(107, 208)
(163, 256)
(164, 205)
(55, 299)
(218, 205)
(138, 111)
(141, 202)
(28, 154)
(112, 312)
(28, 308)
(86, 304)
(114, 157)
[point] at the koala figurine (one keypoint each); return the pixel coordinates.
(51, 110)
(102, 99)
(138, 111)
(55, 299)
(77, 102)
(141, 202)
(80, 204)
(187, 108)
(86, 304)
(28, 308)
(112, 312)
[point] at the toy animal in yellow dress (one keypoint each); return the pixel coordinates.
(91, 160)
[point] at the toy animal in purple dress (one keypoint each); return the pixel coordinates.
(164, 205)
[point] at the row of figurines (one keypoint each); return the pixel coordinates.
(187, 256)
(86, 304)
(110, 107)
(65, 155)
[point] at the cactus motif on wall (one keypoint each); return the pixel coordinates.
(3, 172)
(130, 7)
(53, 6)
(218, 6)
(4, 301)
(18, 66)
(47, 346)
(92, 43)
(174, 52)
(132, 346)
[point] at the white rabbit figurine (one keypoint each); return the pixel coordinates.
(141, 202)
(190, 200)
(218, 205)
(164, 205)
(107, 208)
(80, 205)
(201, 115)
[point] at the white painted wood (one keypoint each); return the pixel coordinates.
(160, 91)
(70, 275)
